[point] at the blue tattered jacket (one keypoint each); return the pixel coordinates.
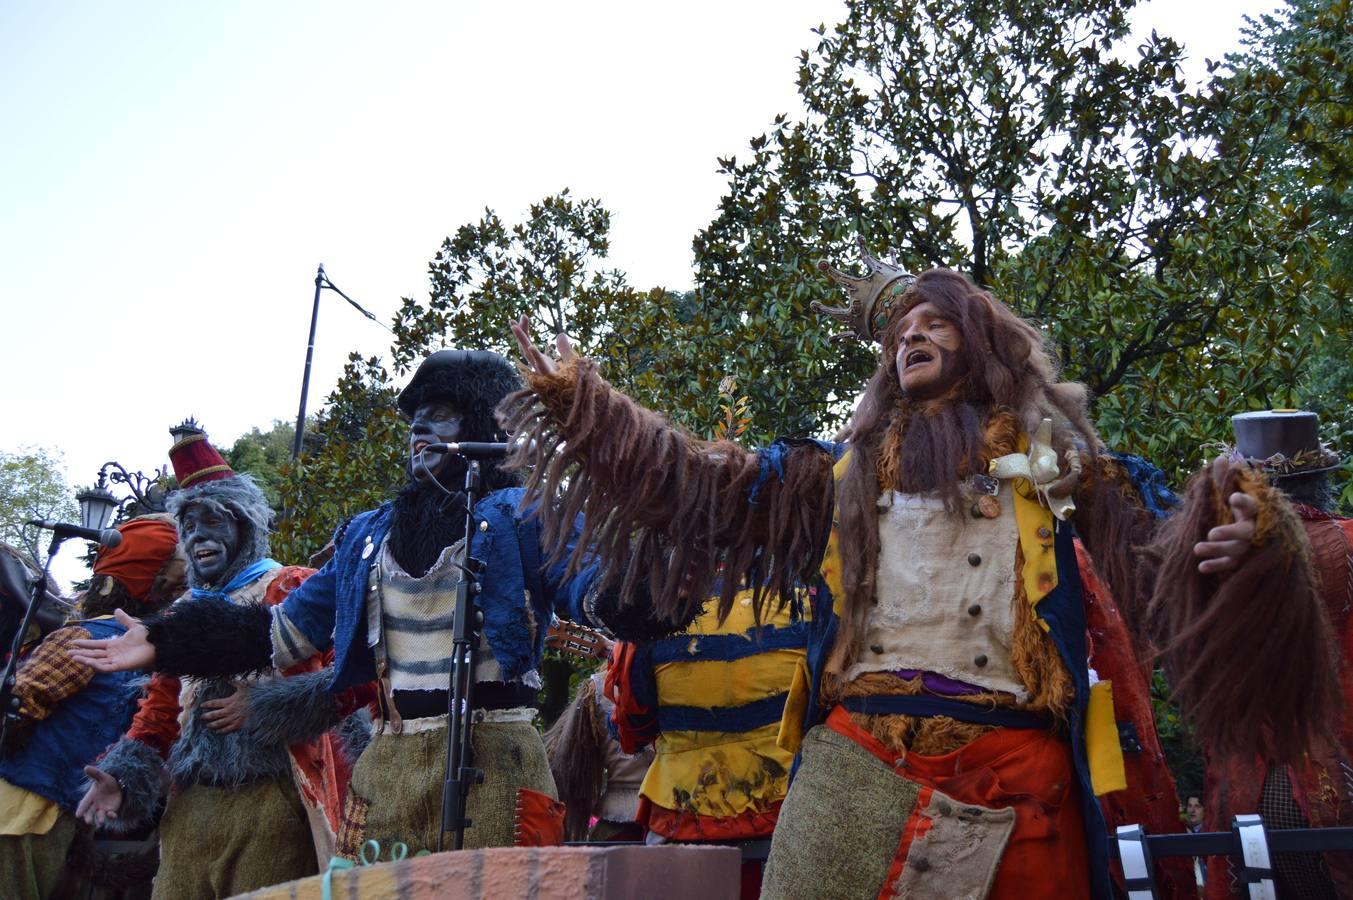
(517, 598)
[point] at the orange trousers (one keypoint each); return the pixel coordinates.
(1027, 770)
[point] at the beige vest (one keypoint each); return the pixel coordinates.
(946, 584)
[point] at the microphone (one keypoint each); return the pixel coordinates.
(471, 449)
(108, 537)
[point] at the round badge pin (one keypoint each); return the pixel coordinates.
(989, 507)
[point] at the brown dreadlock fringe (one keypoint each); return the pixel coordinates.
(1249, 656)
(576, 747)
(663, 511)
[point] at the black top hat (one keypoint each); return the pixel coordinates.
(1283, 441)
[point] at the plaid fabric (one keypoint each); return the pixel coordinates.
(49, 675)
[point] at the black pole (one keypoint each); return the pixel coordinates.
(460, 773)
(309, 355)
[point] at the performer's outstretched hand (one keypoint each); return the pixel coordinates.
(103, 799)
(535, 358)
(227, 714)
(132, 650)
(1227, 544)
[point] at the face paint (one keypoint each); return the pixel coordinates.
(211, 539)
(434, 422)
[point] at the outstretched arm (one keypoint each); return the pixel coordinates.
(661, 508)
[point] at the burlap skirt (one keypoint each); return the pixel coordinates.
(222, 841)
(396, 789)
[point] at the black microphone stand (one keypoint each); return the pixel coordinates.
(460, 771)
(9, 704)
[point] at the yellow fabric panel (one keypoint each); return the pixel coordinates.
(1102, 747)
(790, 737)
(24, 812)
(716, 774)
(1040, 558)
(741, 617)
(715, 684)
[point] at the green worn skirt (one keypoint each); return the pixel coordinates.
(396, 789)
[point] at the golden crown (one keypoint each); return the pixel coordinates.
(870, 296)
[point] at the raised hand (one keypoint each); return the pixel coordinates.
(103, 799)
(227, 714)
(131, 650)
(534, 356)
(1226, 545)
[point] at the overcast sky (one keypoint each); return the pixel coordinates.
(172, 173)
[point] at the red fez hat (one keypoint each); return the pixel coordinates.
(194, 459)
(147, 544)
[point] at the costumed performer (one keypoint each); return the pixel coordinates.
(954, 743)
(69, 714)
(1316, 790)
(384, 603)
(253, 763)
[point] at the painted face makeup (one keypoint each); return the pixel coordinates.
(928, 363)
(434, 422)
(211, 539)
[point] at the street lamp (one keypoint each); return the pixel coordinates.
(97, 505)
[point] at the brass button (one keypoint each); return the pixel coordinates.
(1045, 532)
(484, 526)
(980, 660)
(920, 865)
(877, 648)
(974, 559)
(975, 609)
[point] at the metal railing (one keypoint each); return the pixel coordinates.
(1249, 842)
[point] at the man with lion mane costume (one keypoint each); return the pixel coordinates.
(951, 736)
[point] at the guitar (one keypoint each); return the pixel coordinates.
(577, 640)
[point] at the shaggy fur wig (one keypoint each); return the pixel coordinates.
(241, 499)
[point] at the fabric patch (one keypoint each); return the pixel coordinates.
(352, 830)
(841, 824)
(955, 849)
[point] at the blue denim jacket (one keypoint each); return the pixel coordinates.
(517, 597)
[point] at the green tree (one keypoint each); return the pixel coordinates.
(264, 454)
(1097, 195)
(32, 486)
(353, 459)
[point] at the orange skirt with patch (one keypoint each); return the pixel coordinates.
(1026, 770)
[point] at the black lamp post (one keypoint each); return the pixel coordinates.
(321, 283)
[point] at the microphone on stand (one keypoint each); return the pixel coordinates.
(108, 537)
(471, 449)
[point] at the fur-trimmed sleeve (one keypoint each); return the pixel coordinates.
(667, 514)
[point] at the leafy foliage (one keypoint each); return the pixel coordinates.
(264, 454)
(353, 461)
(32, 486)
(1131, 216)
